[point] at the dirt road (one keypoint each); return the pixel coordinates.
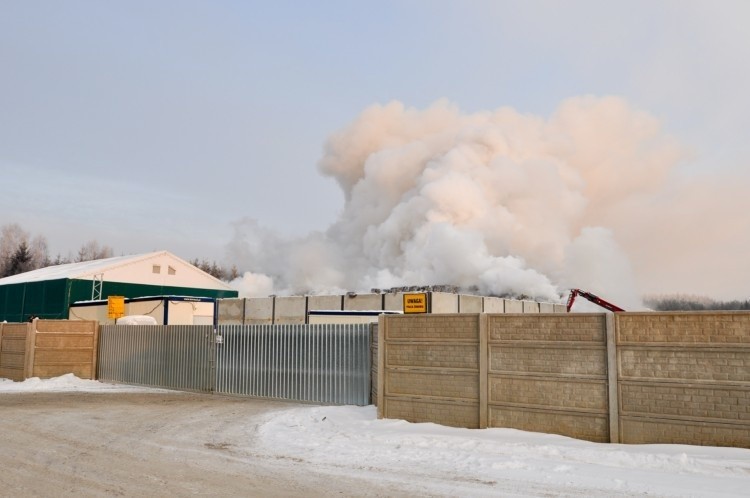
(170, 444)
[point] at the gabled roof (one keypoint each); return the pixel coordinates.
(70, 270)
(89, 269)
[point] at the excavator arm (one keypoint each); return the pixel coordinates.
(593, 298)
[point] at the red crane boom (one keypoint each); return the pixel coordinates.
(593, 298)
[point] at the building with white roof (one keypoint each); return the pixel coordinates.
(49, 292)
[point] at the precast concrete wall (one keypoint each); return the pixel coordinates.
(258, 311)
(493, 305)
(530, 307)
(443, 302)
(363, 302)
(470, 304)
(14, 338)
(48, 348)
(318, 303)
(547, 308)
(513, 306)
(64, 346)
(684, 378)
(294, 309)
(290, 310)
(680, 378)
(393, 301)
(548, 373)
(231, 311)
(429, 368)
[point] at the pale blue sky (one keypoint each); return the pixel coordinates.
(154, 124)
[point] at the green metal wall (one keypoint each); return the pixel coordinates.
(80, 290)
(51, 298)
(43, 299)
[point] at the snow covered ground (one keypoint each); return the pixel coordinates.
(345, 441)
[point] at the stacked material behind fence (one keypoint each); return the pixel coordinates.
(167, 356)
(320, 363)
(293, 310)
(628, 377)
(48, 348)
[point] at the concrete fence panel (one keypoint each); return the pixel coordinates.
(684, 378)
(290, 310)
(470, 304)
(493, 305)
(317, 303)
(429, 369)
(629, 377)
(14, 338)
(363, 302)
(231, 311)
(258, 311)
(548, 373)
(393, 301)
(443, 302)
(65, 346)
(513, 306)
(48, 348)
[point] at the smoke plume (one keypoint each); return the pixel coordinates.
(499, 202)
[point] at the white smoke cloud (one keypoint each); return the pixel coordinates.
(500, 202)
(609, 270)
(253, 285)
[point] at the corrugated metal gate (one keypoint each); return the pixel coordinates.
(169, 356)
(324, 363)
(319, 363)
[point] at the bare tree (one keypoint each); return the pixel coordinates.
(211, 268)
(39, 252)
(91, 251)
(59, 260)
(682, 302)
(11, 237)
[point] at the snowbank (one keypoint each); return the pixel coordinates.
(341, 437)
(429, 458)
(67, 383)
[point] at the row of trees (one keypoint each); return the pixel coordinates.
(216, 270)
(20, 252)
(693, 303)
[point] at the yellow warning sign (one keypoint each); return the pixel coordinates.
(415, 303)
(115, 306)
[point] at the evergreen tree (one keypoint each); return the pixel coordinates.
(20, 262)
